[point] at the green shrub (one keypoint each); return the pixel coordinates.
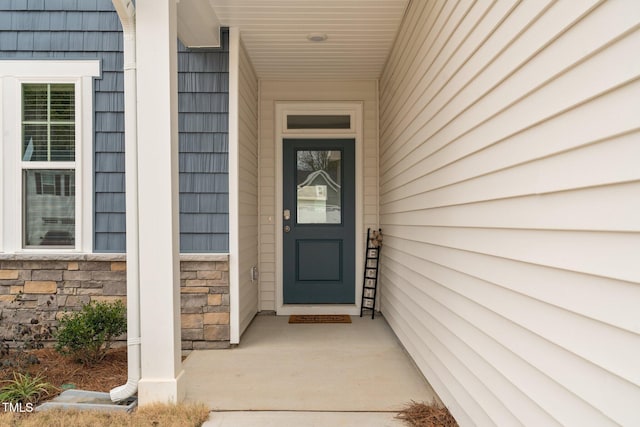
(88, 334)
(25, 389)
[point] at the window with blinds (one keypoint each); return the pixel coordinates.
(48, 122)
(47, 154)
(48, 164)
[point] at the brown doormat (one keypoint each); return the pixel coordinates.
(319, 318)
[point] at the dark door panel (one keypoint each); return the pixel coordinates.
(319, 221)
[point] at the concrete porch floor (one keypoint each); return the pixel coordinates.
(357, 367)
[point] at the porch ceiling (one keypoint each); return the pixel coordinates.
(360, 34)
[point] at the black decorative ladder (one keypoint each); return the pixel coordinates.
(370, 280)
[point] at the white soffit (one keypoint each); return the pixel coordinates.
(359, 33)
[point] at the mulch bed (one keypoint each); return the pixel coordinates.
(58, 370)
(423, 415)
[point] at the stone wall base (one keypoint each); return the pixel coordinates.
(41, 288)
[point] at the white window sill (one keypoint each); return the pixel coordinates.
(84, 256)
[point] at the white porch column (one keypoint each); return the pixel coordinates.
(162, 377)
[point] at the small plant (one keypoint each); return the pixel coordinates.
(25, 389)
(88, 334)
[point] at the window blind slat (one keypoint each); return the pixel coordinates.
(48, 129)
(34, 102)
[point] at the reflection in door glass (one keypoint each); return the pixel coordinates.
(319, 180)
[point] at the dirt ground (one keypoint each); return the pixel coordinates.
(60, 370)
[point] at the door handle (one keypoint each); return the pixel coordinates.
(287, 229)
(286, 214)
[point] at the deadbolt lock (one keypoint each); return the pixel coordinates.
(287, 229)
(286, 214)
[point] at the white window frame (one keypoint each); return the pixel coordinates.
(12, 75)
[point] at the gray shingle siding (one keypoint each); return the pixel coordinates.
(90, 29)
(203, 106)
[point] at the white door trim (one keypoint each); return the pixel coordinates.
(354, 109)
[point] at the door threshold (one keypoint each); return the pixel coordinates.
(289, 309)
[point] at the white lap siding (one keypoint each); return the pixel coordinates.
(248, 187)
(509, 183)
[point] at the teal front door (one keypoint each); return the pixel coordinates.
(318, 240)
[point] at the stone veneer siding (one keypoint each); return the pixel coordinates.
(44, 287)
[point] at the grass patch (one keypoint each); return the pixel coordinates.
(423, 415)
(155, 415)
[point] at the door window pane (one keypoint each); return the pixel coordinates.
(319, 180)
(49, 207)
